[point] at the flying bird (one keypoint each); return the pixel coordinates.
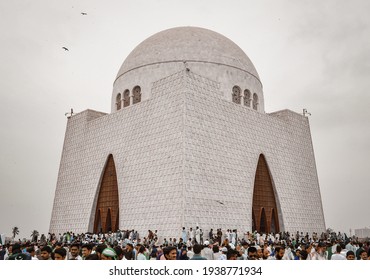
(84, 14)
(64, 48)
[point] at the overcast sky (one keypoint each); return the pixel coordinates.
(309, 54)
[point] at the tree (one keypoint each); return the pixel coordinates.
(34, 235)
(15, 231)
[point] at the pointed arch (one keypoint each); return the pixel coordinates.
(273, 225)
(107, 207)
(264, 206)
(98, 221)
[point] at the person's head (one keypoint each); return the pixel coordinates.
(224, 250)
(266, 253)
(58, 245)
(75, 250)
(141, 249)
(86, 250)
(109, 254)
(129, 247)
(252, 253)
(215, 249)
(350, 255)
(170, 252)
(92, 257)
(46, 253)
(298, 253)
(31, 251)
(245, 244)
(363, 255)
(259, 253)
(15, 248)
(338, 249)
(60, 254)
(99, 249)
(279, 252)
(197, 249)
(309, 247)
(232, 254)
(321, 247)
(119, 252)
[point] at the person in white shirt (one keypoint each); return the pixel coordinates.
(337, 255)
(320, 252)
(190, 252)
(197, 235)
(140, 255)
(207, 252)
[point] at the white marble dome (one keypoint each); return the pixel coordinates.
(203, 51)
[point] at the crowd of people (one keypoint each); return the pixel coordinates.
(190, 245)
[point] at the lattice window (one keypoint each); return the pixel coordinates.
(247, 98)
(236, 94)
(126, 98)
(137, 94)
(118, 102)
(255, 101)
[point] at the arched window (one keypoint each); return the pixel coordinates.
(255, 101)
(236, 94)
(137, 94)
(118, 102)
(247, 98)
(126, 98)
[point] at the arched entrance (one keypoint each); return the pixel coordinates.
(107, 208)
(264, 210)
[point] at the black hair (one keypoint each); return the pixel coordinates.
(215, 249)
(252, 250)
(349, 253)
(304, 255)
(118, 250)
(46, 249)
(60, 251)
(30, 249)
(92, 257)
(168, 249)
(87, 246)
(100, 248)
(197, 248)
(142, 249)
(231, 253)
(75, 245)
